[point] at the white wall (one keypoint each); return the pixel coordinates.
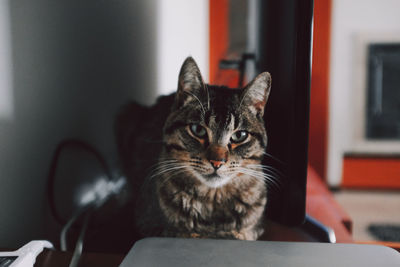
(349, 20)
(182, 31)
(6, 100)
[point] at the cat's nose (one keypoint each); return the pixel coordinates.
(217, 155)
(217, 163)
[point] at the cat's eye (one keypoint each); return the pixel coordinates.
(198, 130)
(239, 136)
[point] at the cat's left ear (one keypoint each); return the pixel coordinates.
(190, 85)
(255, 94)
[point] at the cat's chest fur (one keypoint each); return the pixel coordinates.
(231, 211)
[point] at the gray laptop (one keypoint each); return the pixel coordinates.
(231, 253)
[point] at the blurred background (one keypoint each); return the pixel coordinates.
(65, 70)
(66, 67)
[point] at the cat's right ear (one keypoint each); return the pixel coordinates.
(256, 93)
(190, 85)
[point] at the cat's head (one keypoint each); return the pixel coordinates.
(216, 133)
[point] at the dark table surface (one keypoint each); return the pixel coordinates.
(62, 259)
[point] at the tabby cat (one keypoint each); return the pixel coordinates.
(194, 159)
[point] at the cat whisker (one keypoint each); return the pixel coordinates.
(157, 166)
(175, 173)
(260, 175)
(273, 157)
(260, 167)
(173, 170)
(164, 167)
(166, 161)
(267, 168)
(162, 163)
(160, 168)
(167, 169)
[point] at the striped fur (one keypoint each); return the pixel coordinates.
(205, 184)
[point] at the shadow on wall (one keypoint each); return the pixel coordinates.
(74, 64)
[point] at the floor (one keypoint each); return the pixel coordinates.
(366, 207)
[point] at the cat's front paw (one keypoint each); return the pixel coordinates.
(245, 235)
(195, 235)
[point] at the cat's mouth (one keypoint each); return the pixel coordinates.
(215, 180)
(212, 180)
(213, 176)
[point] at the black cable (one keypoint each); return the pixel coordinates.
(53, 168)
